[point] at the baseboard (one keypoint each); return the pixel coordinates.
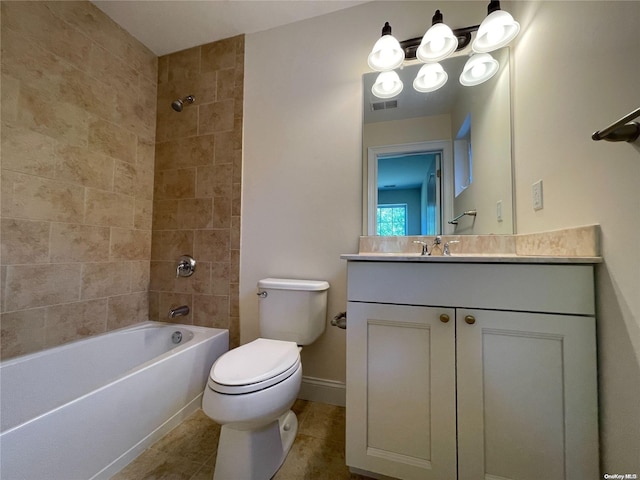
(323, 391)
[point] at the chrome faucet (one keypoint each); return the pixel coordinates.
(179, 311)
(425, 246)
(447, 252)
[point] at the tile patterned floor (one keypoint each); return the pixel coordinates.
(188, 452)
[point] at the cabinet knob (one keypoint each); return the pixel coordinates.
(444, 318)
(470, 319)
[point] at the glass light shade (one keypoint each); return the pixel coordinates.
(430, 78)
(387, 85)
(478, 69)
(495, 31)
(437, 44)
(386, 54)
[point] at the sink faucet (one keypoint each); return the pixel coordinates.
(425, 245)
(446, 247)
(179, 311)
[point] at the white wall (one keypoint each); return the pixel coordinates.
(577, 69)
(302, 171)
(302, 164)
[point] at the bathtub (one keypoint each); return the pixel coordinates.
(84, 410)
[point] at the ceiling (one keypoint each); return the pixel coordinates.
(169, 26)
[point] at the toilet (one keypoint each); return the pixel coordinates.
(251, 388)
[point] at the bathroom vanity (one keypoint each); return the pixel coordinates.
(471, 367)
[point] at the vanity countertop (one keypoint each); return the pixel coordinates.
(468, 258)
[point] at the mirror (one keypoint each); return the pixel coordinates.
(430, 157)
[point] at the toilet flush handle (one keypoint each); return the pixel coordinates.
(262, 294)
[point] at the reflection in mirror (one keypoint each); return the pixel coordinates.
(428, 157)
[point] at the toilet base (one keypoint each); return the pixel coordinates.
(255, 454)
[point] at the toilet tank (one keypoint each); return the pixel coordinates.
(293, 310)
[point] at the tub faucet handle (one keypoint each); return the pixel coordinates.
(186, 266)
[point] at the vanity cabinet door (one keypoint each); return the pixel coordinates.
(401, 391)
(527, 396)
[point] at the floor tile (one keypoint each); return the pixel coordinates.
(188, 452)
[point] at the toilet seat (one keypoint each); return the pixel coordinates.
(254, 366)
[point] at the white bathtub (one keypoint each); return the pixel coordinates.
(84, 410)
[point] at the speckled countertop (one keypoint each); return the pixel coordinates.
(578, 245)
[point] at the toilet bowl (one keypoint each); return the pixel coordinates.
(251, 388)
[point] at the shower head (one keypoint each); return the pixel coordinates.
(178, 104)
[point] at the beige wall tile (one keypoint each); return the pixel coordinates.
(22, 332)
(113, 70)
(224, 147)
(125, 178)
(170, 245)
(38, 198)
(30, 286)
(26, 151)
(214, 181)
(219, 55)
(9, 98)
(163, 276)
(39, 24)
(154, 306)
(105, 279)
(165, 214)
(129, 244)
(216, 117)
(195, 213)
(143, 214)
(185, 152)
(220, 275)
(72, 321)
(85, 167)
(179, 183)
(171, 125)
(222, 212)
(212, 245)
(79, 96)
(226, 86)
(211, 311)
(108, 208)
(79, 243)
(140, 275)
(126, 310)
(24, 241)
(112, 140)
(42, 113)
(184, 64)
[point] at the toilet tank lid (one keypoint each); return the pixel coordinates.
(293, 284)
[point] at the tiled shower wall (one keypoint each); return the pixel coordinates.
(78, 136)
(197, 185)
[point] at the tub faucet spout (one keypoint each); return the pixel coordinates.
(179, 311)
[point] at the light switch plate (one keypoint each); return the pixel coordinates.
(537, 195)
(499, 211)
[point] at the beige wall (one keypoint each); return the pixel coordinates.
(78, 133)
(302, 155)
(302, 175)
(576, 73)
(197, 185)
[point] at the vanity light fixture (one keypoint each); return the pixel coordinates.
(478, 69)
(386, 53)
(496, 30)
(439, 42)
(387, 85)
(430, 78)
